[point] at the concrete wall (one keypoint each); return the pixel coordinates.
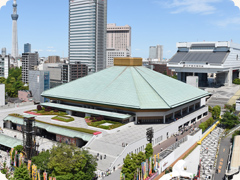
(167, 161)
(159, 136)
(2, 94)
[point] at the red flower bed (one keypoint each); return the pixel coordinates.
(33, 113)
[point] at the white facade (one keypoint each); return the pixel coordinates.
(4, 66)
(112, 53)
(2, 94)
(87, 33)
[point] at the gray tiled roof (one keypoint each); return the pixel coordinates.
(202, 57)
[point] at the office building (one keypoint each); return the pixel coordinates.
(156, 52)
(53, 59)
(4, 64)
(55, 70)
(14, 30)
(39, 81)
(27, 48)
(87, 33)
(118, 42)
(71, 72)
(29, 62)
(112, 53)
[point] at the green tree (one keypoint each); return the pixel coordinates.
(229, 120)
(18, 148)
(203, 126)
(2, 80)
(42, 160)
(149, 151)
(21, 173)
(129, 167)
(141, 157)
(216, 111)
(70, 162)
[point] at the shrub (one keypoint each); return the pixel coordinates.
(39, 107)
(236, 81)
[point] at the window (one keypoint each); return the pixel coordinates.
(237, 57)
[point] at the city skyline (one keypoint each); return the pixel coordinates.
(153, 22)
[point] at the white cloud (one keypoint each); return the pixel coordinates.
(226, 22)
(3, 3)
(190, 6)
(51, 50)
(38, 50)
(237, 3)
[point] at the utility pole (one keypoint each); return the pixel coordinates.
(149, 134)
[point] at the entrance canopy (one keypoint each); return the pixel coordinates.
(9, 141)
(88, 111)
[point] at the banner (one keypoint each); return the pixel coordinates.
(29, 165)
(39, 177)
(150, 166)
(155, 163)
(145, 169)
(50, 178)
(34, 172)
(20, 159)
(142, 170)
(54, 178)
(45, 176)
(15, 159)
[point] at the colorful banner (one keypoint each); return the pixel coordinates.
(155, 163)
(39, 177)
(45, 176)
(150, 166)
(50, 178)
(20, 159)
(54, 178)
(29, 165)
(15, 159)
(146, 169)
(34, 172)
(142, 169)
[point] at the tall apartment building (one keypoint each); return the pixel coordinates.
(77, 70)
(156, 52)
(29, 62)
(53, 59)
(118, 42)
(55, 70)
(87, 33)
(27, 48)
(4, 64)
(39, 81)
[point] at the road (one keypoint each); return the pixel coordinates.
(222, 158)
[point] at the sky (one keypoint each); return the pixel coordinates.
(44, 23)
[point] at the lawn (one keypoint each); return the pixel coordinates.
(99, 124)
(63, 118)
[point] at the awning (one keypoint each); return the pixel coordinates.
(9, 141)
(88, 111)
(53, 129)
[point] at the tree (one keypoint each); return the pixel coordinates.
(229, 120)
(21, 173)
(216, 111)
(2, 80)
(141, 157)
(129, 167)
(18, 148)
(42, 160)
(149, 151)
(69, 162)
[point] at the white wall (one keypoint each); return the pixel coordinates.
(2, 94)
(162, 134)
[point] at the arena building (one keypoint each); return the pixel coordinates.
(128, 92)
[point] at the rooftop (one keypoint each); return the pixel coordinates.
(128, 85)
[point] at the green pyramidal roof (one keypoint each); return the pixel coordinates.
(128, 86)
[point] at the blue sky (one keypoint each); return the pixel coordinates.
(44, 23)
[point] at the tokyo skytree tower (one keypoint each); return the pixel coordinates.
(14, 30)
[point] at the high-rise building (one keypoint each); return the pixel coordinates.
(53, 59)
(87, 33)
(29, 62)
(39, 81)
(14, 30)
(118, 42)
(4, 64)
(27, 48)
(156, 52)
(119, 37)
